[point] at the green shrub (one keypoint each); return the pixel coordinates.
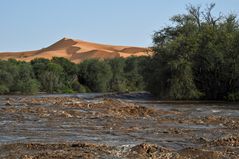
(233, 96)
(67, 90)
(30, 86)
(4, 89)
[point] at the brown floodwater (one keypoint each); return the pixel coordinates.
(130, 125)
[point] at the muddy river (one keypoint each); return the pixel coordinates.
(116, 126)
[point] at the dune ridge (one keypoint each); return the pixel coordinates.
(77, 51)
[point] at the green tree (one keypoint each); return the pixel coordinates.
(30, 86)
(26, 82)
(95, 74)
(133, 74)
(118, 82)
(195, 57)
(6, 81)
(4, 89)
(70, 71)
(51, 78)
(8, 74)
(39, 65)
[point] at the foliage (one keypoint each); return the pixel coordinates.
(134, 79)
(77, 87)
(118, 80)
(233, 96)
(69, 71)
(50, 78)
(60, 75)
(17, 77)
(95, 74)
(30, 86)
(25, 83)
(196, 57)
(4, 89)
(39, 65)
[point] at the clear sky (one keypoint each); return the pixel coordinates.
(34, 24)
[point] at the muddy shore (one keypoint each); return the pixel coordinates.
(109, 126)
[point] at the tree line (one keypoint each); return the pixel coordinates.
(197, 57)
(60, 75)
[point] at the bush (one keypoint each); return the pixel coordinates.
(68, 90)
(233, 96)
(52, 78)
(4, 89)
(30, 86)
(95, 74)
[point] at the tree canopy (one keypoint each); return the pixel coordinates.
(60, 75)
(196, 57)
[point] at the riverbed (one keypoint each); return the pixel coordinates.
(133, 125)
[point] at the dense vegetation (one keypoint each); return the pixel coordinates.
(196, 57)
(59, 75)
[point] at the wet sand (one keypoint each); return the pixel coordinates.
(116, 126)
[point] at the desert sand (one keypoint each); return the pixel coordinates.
(77, 51)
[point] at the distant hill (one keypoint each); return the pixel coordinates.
(77, 51)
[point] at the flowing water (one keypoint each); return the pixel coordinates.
(119, 121)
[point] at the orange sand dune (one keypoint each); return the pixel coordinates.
(77, 51)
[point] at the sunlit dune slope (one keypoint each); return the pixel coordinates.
(77, 51)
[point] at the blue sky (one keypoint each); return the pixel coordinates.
(34, 24)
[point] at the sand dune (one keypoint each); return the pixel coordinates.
(77, 51)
